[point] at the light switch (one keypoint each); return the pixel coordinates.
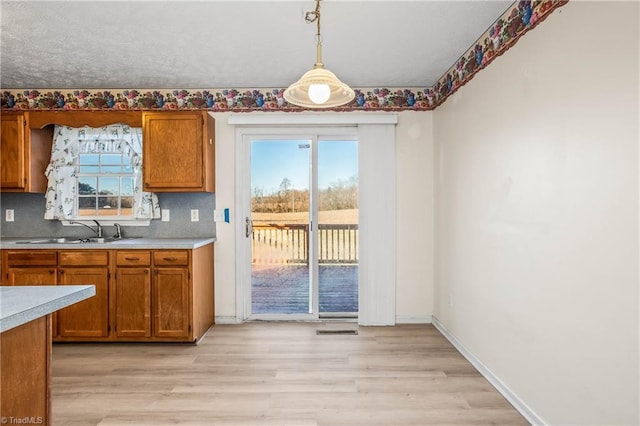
(165, 215)
(195, 215)
(218, 215)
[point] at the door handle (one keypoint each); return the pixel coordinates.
(248, 227)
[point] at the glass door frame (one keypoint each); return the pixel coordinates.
(243, 210)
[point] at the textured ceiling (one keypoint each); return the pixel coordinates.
(217, 44)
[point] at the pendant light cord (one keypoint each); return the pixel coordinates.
(312, 17)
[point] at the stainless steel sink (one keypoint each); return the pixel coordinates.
(72, 240)
(51, 241)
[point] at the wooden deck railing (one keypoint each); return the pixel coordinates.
(281, 244)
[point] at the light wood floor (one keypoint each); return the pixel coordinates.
(277, 374)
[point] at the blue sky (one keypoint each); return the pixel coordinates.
(273, 160)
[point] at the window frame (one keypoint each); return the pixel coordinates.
(125, 220)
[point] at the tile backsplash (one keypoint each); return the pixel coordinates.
(29, 222)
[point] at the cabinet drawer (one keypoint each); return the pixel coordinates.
(84, 258)
(133, 258)
(36, 258)
(170, 257)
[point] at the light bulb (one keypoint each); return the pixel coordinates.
(319, 93)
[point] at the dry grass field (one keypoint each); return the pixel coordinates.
(325, 217)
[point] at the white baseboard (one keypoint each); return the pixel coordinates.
(517, 403)
(413, 319)
(400, 319)
(227, 320)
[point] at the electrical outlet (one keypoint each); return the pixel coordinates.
(9, 215)
(195, 215)
(165, 215)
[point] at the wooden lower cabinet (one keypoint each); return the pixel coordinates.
(141, 295)
(33, 267)
(171, 307)
(133, 302)
(89, 318)
(163, 295)
(37, 267)
(34, 275)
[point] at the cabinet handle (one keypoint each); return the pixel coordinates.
(51, 271)
(170, 259)
(132, 258)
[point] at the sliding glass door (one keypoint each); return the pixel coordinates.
(337, 231)
(303, 227)
(280, 267)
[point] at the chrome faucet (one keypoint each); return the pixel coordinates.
(118, 231)
(98, 229)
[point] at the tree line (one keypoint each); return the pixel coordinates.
(339, 195)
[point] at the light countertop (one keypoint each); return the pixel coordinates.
(126, 243)
(21, 304)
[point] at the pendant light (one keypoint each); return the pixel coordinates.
(318, 87)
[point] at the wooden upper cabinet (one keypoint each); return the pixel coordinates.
(178, 152)
(13, 154)
(41, 119)
(178, 148)
(23, 156)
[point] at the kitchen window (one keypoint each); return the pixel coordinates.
(96, 173)
(105, 184)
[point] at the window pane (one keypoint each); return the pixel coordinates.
(105, 182)
(126, 206)
(86, 206)
(111, 159)
(86, 159)
(107, 206)
(126, 186)
(89, 169)
(111, 169)
(107, 185)
(87, 186)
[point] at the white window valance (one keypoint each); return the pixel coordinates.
(61, 171)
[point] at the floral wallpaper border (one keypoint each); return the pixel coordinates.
(519, 18)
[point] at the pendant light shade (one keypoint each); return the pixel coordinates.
(318, 87)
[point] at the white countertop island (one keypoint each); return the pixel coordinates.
(21, 304)
(25, 338)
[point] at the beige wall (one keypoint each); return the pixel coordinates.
(414, 213)
(414, 151)
(537, 216)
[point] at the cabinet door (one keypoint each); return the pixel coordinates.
(89, 318)
(171, 302)
(31, 276)
(173, 152)
(133, 302)
(35, 276)
(12, 152)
